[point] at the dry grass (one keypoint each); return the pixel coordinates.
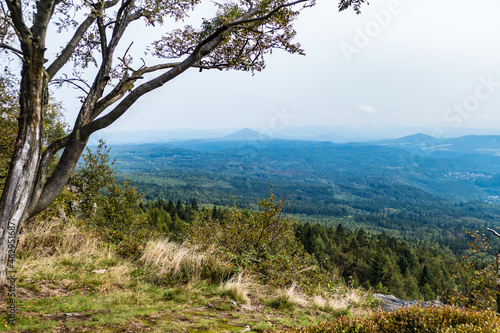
(63, 267)
(330, 304)
(357, 297)
(56, 250)
(288, 298)
(293, 296)
(54, 237)
(184, 261)
(238, 288)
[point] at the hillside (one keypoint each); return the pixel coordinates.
(104, 259)
(384, 186)
(70, 280)
(461, 169)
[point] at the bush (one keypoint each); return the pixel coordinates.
(263, 242)
(413, 319)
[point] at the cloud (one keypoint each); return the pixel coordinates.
(367, 109)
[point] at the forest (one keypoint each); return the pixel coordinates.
(377, 229)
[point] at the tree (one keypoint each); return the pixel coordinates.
(239, 36)
(478, 289)
(93, 177)
(497, 268)
(194, 205)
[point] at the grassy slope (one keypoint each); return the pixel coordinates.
(62, 288)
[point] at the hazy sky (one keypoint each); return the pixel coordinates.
(399, 63)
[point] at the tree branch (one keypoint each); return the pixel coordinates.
(202, 49)
(17, 52)
(144, 88)
(267, 16)
(22, 31)
(126, 84)
(494, 232)
(44, 11)
(102, 33)
(73, 81)
(123, 7)
(102, 77)
(75, 40)
(70, 47)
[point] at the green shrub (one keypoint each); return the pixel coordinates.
(413, 319)
(261, 241)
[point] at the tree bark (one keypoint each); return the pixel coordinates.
(21, 178)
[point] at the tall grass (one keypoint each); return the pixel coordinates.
(330, 304)
(288, 298)
(42, 239)
(56, 250)
(238, 288)
(185, 262)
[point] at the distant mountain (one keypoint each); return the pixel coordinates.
(335, 134)
(418, 139)
(486, 144)
(244, 134)
(440, 147)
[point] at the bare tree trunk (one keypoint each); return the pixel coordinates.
(21, 178)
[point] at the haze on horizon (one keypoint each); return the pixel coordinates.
(401, 63)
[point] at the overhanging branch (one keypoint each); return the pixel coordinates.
(70, 47)
(494, 232)
(203, 48)
(267, 16)
(126, 84)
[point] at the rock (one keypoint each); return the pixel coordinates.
(100, 271)
(392, 303)
(234, 303)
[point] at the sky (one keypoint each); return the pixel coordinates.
(406, 63)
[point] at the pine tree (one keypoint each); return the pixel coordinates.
(180, 211)
(425, 277)
(194, 205)
(340, 234)
(170, 208)
(361, 237)
(377, 273)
